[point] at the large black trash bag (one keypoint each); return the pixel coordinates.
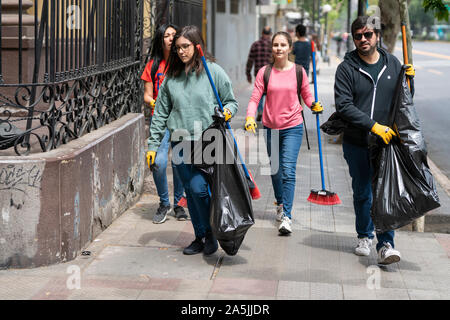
(335, 125)
(403, 186)
(231, 207)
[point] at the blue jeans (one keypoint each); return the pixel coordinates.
(197, 192)
(160, 176)
(358, 160)
(284, 165)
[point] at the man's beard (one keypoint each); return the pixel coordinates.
(367, 52)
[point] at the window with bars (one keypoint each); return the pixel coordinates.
(234, 6)
(221, 6)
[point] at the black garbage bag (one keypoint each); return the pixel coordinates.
(334, 125)
(403, 186)
(9, 134)
(231, 212)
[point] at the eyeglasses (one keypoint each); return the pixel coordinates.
(183, 47)
(367, 35)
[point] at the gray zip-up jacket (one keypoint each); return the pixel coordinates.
(361, 100)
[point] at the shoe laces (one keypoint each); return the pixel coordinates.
(386, 246)
(279, 207)
(161, 209)
(364, 242)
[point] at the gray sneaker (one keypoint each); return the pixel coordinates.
(161, 214)
(180, 214)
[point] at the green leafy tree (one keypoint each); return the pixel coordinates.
(419, 19)
(439, 8)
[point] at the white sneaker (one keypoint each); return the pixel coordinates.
(363, 247)
(285, 226)
(280, 212)
(388, 255)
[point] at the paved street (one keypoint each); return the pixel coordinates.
(136, 259)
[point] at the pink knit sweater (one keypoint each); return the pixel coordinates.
(282, 110)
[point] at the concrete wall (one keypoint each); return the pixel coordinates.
(54, 204)
(234, 34)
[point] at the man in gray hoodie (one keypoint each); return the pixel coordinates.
(365, 84)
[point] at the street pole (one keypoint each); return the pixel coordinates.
(361, 7)
(326, 8)
(325, 36)
(349, 12)
(318, 19)
(314, 16)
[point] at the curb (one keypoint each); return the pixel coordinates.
(440, 177)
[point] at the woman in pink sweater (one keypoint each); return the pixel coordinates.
(283, 123)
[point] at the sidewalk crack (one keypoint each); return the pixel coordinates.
(217, 267)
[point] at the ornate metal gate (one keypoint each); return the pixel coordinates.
(77, 67)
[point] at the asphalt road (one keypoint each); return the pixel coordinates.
(432, 97)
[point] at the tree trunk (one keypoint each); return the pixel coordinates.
(404, 17)
(390, 18)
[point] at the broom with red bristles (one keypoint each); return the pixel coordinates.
(322, 197)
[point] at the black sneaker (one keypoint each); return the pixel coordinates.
(161, 214)
(195, 247)
(211, 245)
(180, 214)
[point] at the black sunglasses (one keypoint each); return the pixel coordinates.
(367, 35)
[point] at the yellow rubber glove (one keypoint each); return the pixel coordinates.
(227, 114)
(151, 156)
(410, 70)
(152, 103)
(316, 107)
(384, 132)
(250, 124)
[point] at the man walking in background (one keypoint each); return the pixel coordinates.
(302, 48)
(259, 56)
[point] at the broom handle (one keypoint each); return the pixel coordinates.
(199, 48)
(405, 50)
(317, 115)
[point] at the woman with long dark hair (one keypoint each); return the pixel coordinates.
(185, 106)
(153, 76)
(283, 122)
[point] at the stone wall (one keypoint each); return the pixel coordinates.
(54, 204)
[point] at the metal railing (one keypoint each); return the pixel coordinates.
(78, 68)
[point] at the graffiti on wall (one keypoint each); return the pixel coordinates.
(20, 178)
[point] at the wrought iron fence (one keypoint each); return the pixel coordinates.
(187, 12)
(78, 66)
(179, 12)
